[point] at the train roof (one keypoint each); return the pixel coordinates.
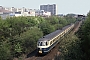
(53, 34)
(50, 36)
(66, 26)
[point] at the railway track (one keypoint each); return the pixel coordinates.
(53, 52)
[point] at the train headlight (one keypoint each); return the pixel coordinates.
(40, 51)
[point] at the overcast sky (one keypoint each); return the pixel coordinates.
(64, 6)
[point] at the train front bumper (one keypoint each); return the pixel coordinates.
(42, 51)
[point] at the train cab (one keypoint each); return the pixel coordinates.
(42, 46)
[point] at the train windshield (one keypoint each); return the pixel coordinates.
(42, 44)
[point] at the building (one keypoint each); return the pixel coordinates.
(50, 8)
(29, 13)
(4, 13)
(39, 12)
(42, 13)
(20, 13)
(47, 14)
(11, 12)
(12, 9)
(1, 7)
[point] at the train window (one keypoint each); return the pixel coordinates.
(50, 42)
(53, 40)
(38, 43)
(43, 43)
(46, 43)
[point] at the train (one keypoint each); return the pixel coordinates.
(47, 42)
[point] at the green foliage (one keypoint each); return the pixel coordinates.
(19, 35)
(54, 20)
(84, 34)
(63, 21)
(58, 26)
(25, 42)
(46, 28)
(70, 49)
(5, 51)
(30, 38)
(18, 48)
(0, 18)
(70, 19)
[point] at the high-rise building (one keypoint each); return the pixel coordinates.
(51, 8)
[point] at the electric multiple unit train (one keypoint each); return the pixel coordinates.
(46, 43)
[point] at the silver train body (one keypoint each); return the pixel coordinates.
(46, 43)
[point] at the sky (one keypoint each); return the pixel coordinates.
(63, 6)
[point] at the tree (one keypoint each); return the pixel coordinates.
(46, 28)
(27, 41)
(5, 53)
(84, 34)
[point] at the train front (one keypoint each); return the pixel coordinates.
(42, 46)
